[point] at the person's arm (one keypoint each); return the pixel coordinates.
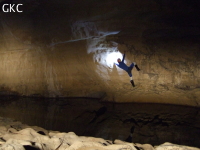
(116, 64)
(123, 57)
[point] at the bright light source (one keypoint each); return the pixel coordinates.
(112, 57)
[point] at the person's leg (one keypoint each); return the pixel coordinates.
(131, 66)
(131, 78)
(132, 82)
(136, 66)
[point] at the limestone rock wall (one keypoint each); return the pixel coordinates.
(67, 49)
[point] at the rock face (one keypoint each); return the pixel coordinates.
(67, 49)
(17, 136)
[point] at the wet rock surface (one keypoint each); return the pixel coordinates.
(133, 122)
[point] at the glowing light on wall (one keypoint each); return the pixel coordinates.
(105, 52)
(112, 57)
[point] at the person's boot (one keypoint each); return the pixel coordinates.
(132, 82)
(136, 66)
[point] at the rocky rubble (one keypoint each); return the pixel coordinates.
(148, 123)
(16, 136)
